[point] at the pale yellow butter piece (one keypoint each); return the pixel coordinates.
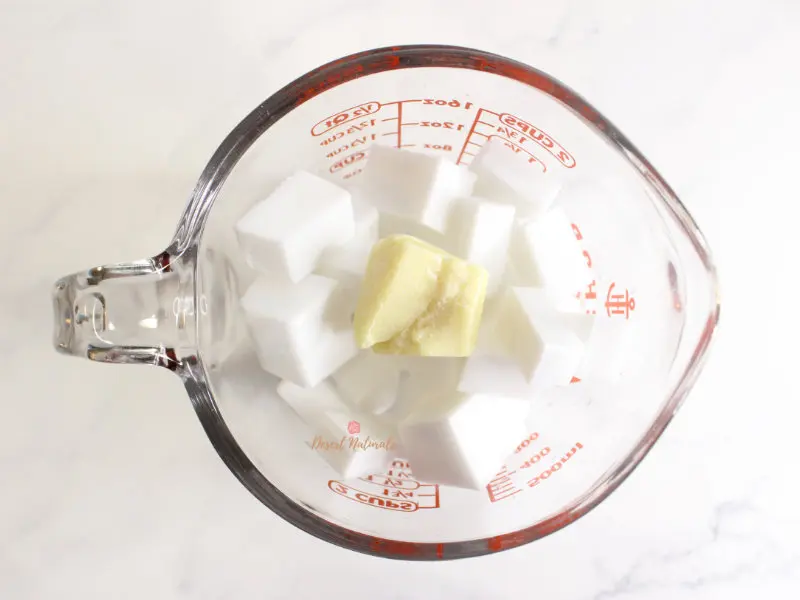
(419, 300)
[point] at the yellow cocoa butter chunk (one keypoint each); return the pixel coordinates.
(419, 300)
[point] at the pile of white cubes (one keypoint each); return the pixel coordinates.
(455, 420)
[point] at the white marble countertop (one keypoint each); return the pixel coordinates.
(108, 112)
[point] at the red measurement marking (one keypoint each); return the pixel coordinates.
(396, 490)
(347, 161)
(616, 304)
(501, 487)
(392, 481)
(555, 468)
(588, 259)
(589, 294)
(535, 458)
(351, 174)
(574, 380)
(619, 304)
(345, 116)
(449, 103)
(339, 150)
(517, 148)
(437, 124)
(365, 498)
(400, 102)
(360, 141)
(400, 125)
(539, 136)
(360, 126)
(400, 469)
(329, 140)
(509, 133)
(526, 442)
(469, 135)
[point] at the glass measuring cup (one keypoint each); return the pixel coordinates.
(654, 300)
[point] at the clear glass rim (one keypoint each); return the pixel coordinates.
(189, 234)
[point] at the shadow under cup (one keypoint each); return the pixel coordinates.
(654, 299)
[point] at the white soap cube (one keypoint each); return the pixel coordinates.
(463, 440)
(348, 262)
(479, 231)
(301, 331)
(493, 369)
(581, 323)
(414, 185)
(285, 234)
(495, 374)
(423, 380)
(545, 253)
(335, 348)
(546, 349)
(310, 403)
(500, 373)
(369, 382)
(504, 175)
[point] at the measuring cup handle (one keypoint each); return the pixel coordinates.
(132, 313)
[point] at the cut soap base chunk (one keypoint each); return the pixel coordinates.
(308, 403)
(479, 231)
(301, 331)
(526, 346)
(413, 185)
(462, 440)
(545, 253)
(422, 380)
(547, 350)
(284, 235)
(416, 299)
(369, 382)
(348, 262)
